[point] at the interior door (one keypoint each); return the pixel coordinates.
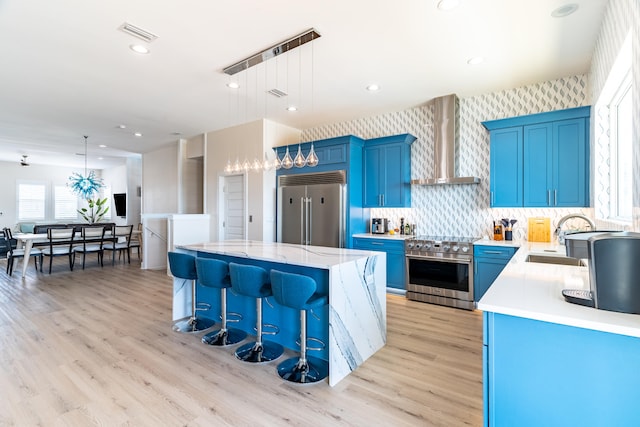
(234, 208)
(326, 216)
(290, 223)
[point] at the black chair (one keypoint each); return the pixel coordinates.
(61, 242)
(120, 242)
(8, 246)
(92, 242)
(135, 242)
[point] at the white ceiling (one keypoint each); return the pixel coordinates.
(67, 71)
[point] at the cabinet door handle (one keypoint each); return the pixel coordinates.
(377, 243)
(493, 199)
(492, 252)
(382, 195)
(555, 197)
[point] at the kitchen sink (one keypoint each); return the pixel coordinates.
(561, 260)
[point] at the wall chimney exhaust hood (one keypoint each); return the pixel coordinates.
(446, 145)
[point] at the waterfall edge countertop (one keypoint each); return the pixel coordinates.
(306, 256)
(534, 291)
(355, 322)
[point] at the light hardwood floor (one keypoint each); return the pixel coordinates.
(95, 347)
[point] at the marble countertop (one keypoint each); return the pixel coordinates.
(384, 236)
(307, 256)
(534, 291)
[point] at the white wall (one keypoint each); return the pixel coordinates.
(160, 180)
(12, 172)
(248, 140)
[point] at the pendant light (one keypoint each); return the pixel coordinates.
(287, 161)
(88, 185)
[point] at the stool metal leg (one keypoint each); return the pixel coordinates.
(259, 351)
(224, 336)
(303, 369)
(193, 323)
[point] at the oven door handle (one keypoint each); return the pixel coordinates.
(432, 258)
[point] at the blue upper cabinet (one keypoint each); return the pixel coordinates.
(540, 160)
(387, 172)
(506, 167)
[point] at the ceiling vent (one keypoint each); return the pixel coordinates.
(277, 93)
(138, 32)
(275, 50)
(24, 162)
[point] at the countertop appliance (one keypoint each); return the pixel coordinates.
(440, 270)
(379, 225)
(613, 274)
(312, 209)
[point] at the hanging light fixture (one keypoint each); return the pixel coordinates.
(88, 185)
(287, 161)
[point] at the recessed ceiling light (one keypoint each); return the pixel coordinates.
(121, 126)
(100, 158)
(137, 134)
(176, 133)
(233, 85)
(448, 4)
(475, 60)
(138, 48)
(373, 87)
(564, 10)
(292, 108)
(102, 146)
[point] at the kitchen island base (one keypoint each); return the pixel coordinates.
(352, 325)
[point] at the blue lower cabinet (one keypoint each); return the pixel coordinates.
(546, 374)
(488, 263)
(396, 263)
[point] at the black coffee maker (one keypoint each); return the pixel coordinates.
(614, 274)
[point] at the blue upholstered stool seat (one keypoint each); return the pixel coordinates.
(214, 273)
(183, 266)
(253, 281)
(298, 292)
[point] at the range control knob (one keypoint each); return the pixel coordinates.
(446, 248)
(418, 246)
(455, 248)
(427, 246)
(409, 245)
(465, 249)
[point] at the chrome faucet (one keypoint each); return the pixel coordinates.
(560, 233)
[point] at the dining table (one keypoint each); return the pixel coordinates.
(28, 239)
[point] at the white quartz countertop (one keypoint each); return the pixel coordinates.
(306, 256)
(384, 236)
(534, 291)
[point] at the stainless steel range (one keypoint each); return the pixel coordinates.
(440, 270)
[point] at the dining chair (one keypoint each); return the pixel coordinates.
(60, 243)
(120, 241)
(8, 246)
(136, 240)
(92, 242)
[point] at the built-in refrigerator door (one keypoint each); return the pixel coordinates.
(290, 214)
(325, 205)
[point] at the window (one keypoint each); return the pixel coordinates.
(613, 123)
(31, 201)
(621, 152)
(65, 203)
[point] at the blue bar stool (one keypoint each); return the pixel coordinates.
(298, 291)
(183, 266)
(215, 274)
(252, 281)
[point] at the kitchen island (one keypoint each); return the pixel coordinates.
(552, 363)
(353, 325)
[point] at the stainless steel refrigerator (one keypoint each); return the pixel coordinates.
(311, 209)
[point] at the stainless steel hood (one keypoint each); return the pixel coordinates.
(446, 145)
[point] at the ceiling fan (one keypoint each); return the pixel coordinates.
(24, 162)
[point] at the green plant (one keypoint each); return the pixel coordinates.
(95, 211)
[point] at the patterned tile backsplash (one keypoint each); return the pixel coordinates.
(463, 210)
